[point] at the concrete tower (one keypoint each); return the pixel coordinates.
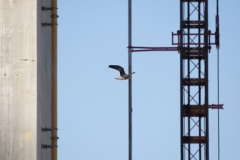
(27, 80)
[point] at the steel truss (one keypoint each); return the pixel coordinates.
(194, 45)
(193, 42)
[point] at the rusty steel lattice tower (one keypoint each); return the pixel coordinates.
(194, 42)
(194, 45)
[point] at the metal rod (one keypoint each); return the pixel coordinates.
(199, 76)
(218, 104)
(146, 49)
(206, 76)
(189, 72)
(181, 82)
(54, 78)
(130, 79)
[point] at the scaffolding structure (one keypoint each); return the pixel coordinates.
(194, 46)
(193, 42)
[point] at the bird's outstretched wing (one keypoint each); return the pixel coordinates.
(119, 68)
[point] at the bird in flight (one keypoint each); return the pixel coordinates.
(123, 75)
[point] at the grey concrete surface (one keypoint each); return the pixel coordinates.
(25, 80)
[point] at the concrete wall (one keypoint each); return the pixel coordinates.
(25, 80)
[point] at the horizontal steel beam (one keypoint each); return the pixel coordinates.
(146, 49)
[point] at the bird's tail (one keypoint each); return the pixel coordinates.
(132, 73)
(119, 78)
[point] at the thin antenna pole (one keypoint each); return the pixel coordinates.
(130, 79)
(217, 45)
(218, 104)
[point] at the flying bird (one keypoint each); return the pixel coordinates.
(123, 75)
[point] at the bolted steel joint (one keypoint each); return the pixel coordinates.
(45, 146)
(48, 8)
(48, 129)
(45, 24)
(54, 16)
(55, 137)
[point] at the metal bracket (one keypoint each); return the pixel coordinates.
(48, 129)
(48, 8)
(45, 24)
(54, 15)
(45, 146)
(179, 34)
(54, 137)
(217, 32)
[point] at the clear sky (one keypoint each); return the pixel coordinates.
(93, 107)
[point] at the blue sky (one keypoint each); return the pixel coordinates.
(93, 108)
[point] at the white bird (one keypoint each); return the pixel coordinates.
(123, 75)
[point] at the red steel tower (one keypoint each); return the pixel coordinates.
(193, 42)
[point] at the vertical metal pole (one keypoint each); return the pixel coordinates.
(199, 76)
(54, 78)
(206, 77)
(189, 72)
(181, 79)
(130, 79)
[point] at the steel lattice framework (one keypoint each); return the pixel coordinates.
(193, 42)
(194, 45)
